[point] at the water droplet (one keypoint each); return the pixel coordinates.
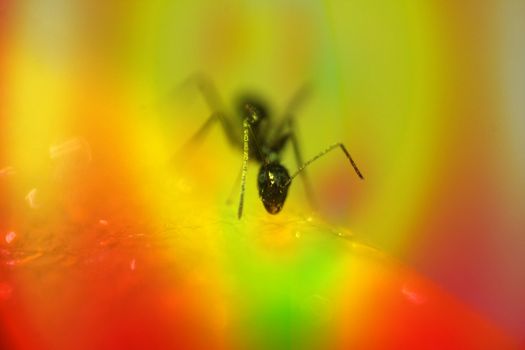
(10, 236)
(7, 171)
(103, 222)
(132, 264)
(31, 198)
(77, 147)
(24, 260)
(108, 241)
(413, 296)
(297, 234)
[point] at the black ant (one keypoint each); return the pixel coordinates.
(263, 140)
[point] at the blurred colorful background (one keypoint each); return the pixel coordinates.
(108, 242)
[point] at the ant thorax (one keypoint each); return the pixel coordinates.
(271, 157)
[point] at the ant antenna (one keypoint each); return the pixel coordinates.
(247, 130)
(328, 149)
(254, 117)
(246, 152)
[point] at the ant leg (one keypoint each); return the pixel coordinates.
(247, 130)
(292, 136)
(293, 105)
(213, 100)
(208, 90)
(199, 135)
(246, 152)
(322, 153)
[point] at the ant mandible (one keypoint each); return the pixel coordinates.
(262, 140)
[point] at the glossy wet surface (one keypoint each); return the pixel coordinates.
(187, 278)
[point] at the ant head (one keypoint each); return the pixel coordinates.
(273, 184)
(258, 107)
